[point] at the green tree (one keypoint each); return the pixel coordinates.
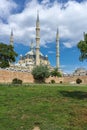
(7, 55)
(40, 73)
(55, 72)
(82, 46)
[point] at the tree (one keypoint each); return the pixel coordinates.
(7, 55)
(82, 46)
(40, 73)
(55, 72)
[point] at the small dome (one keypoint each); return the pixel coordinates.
(46, 55)
(17, 64)
(41, 54)
(33, 53)
(30, 53)
(23, 65)
(30, 63)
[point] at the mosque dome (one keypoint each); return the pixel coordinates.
(32, 53)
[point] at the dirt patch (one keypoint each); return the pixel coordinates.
(36, 128)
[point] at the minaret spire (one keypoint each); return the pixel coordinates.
(37, 16)
(37, 40)
(57, 50)
(84, 35)
(31, 46)
(11, 38)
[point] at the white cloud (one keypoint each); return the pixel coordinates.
(51, 52)
(71, 18)
(6, 6)
(45, 1)
(69, 44)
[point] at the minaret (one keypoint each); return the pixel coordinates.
(37, 40)
(84, 36)
(31, 46)
(57, 50)
(11, 38)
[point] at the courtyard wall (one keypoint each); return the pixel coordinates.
(6, 76)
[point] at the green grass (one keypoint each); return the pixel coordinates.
(53, 107)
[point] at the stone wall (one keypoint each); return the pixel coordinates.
(68, 79)
(6, 76)
(72, 79)
(56, 79)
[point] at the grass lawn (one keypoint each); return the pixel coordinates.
(53, 107)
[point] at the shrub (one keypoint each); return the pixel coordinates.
(52, 81)
(55, 72)
(78, 81)
(16, 81)
(40, 73)
(61, 82)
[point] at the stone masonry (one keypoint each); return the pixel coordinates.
(6, 76)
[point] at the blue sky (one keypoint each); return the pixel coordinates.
(69, 16)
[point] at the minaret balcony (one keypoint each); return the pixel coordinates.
(37, 47)
(37, 28)
(37, 37)
(57, 55)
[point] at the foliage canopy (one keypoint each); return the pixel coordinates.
(7, 55)
(40, 73)
(55, 72)
(82, 46)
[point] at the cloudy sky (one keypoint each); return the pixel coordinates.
(69, 16)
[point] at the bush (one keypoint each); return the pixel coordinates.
(61, 82)
(55, 72)
(52, 81)
(40, 73)
(16, 81)
(78, 81)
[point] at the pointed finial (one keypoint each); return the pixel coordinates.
(57, 30)
(31, 46)
(32, 42)
(84, 35)
(57, 34)
(37, 15)
(11, 38)
(11, 32)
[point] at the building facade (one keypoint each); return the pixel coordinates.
(34, 57)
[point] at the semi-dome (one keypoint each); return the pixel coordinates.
(32, 53)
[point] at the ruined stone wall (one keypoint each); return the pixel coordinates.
(6, 76)
(68, 79)
(72, 79)
(56, 79)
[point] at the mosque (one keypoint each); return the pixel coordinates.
(34, 57)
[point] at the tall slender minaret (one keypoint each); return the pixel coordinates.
(84, 36)
(11, 38)
(31, 46)
(37, 40)
(57, 50)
